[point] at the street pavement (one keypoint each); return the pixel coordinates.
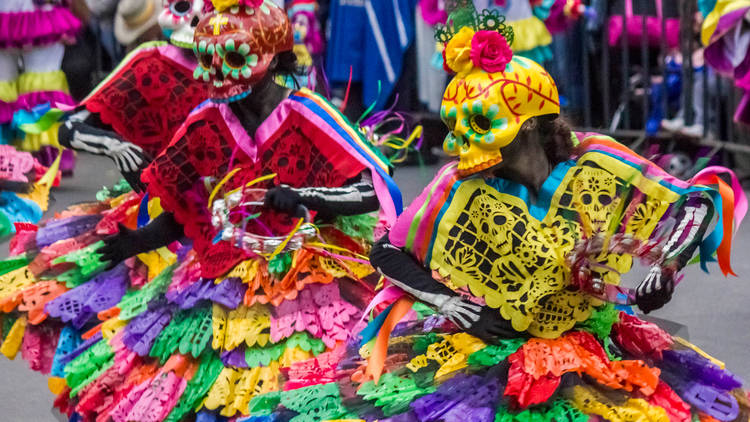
(713, 311)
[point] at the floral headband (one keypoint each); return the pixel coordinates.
(474, 39)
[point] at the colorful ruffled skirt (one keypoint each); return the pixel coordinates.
(150, 340)
(35, 36)
(612, 367)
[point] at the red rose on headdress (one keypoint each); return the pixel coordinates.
(490, 51)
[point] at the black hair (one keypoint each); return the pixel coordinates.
(287, 66)
(555, 134)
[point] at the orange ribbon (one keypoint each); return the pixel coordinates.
(379, 352)
(723, 252)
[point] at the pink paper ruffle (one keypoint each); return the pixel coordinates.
(54, 98)
(38, 27)
(27, 101)
(6, 111)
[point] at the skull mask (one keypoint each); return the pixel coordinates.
(179, 19)
(236, 47)
(594, 191)
(484, 111)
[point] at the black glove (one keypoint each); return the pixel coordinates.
(120, 246)
(285, 199)
(491, 325)
(656, 290)
(161, 231)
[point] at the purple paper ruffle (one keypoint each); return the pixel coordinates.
(461, 398)
(55, 98)
(141, 332)
(46, 156)
(690, 364)
(228, 293)
(82, 303)
(65, 228)
(6, 111)
(38, 27)
(234, 358)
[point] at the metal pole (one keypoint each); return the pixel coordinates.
(686, 44)
(645, 73)
(625, 93)
(604, 74)
(586, 76)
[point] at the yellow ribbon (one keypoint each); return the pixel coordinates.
(226, 179)
(220, 184)
(336, 248)
(288, 238)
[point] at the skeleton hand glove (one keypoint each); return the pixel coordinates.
(357, 196)
(404, 272)
(691, 223)
(129, 158)
(656, 290)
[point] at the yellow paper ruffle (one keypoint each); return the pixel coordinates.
(529, 34)
(8, 91)
(35, 141)
(632, 410)
(249, 325)
(13, 340)
(42, 81)
(452, 353)
(234, 388)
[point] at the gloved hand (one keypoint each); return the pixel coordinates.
(285, 199)
(161, 231)
(491, 325)
(129, 158)
(121, 246)
(480, 321)
(656, 289)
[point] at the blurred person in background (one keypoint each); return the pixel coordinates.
(136, 21)
(96, 40)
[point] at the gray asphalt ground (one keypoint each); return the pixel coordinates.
(714, 311)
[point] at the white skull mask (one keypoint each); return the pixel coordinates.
(594, 193)
(179, 19)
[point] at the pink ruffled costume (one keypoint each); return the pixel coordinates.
(32, 38)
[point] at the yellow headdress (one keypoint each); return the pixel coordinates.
(493, 92)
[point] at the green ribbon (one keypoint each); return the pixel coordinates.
(280, 264)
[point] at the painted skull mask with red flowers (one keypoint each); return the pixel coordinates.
(236, 47)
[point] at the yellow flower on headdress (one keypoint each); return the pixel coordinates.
(458, 52)
(222, 5)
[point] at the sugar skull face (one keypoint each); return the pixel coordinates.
(484, 111)
(235, 48)
(594, 192)
(179, 19)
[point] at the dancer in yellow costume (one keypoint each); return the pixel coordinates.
(502, 276)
